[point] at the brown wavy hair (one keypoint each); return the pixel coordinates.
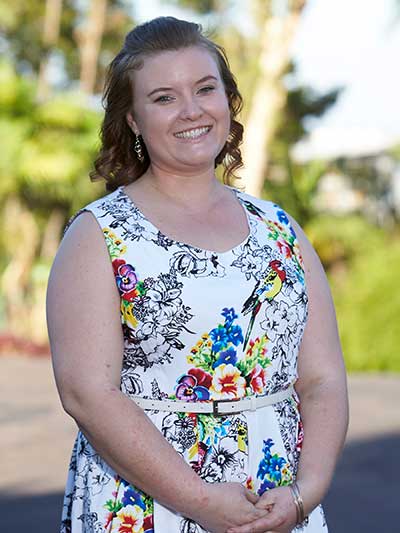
(117, 163)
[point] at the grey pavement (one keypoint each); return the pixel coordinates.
(36, 439)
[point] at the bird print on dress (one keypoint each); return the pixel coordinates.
(254, 210)
(265, 290)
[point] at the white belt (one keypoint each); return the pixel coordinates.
(216, 407)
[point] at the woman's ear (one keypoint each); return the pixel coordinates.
(131, 123)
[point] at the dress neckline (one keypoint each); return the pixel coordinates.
(127, 197)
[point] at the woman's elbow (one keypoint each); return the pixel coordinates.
(72, 402)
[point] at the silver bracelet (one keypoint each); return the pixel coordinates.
(298, 501)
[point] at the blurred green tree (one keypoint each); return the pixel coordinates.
(47, 151)
(74, 47)
(363, 265)
(49, 143)
(288, 182)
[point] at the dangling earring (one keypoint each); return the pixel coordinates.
(138, 149)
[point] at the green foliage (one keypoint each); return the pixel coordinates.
(47, 148)
(21, 23)
(16, 93)
(369, 307)
(47, 153)
(364, 264)
(302, 104)
(22, 29)
(339, 240)
(294, 186)
(200, 6)
(291, 184)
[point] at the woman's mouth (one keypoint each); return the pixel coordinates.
(194, 133)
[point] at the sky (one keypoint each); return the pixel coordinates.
(349, 43)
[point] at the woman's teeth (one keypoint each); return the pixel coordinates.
(193, 134)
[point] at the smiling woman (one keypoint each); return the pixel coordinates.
(185, 124)
(144, 50)
(188, 320)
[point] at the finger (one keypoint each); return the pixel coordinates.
(266, 501)
(269, 507)
(251, 497)
(258, 526)
(249, 527)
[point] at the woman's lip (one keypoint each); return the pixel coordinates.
(196, 128)
(193, 140)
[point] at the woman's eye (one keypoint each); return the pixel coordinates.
(164, 99)
(207, 89)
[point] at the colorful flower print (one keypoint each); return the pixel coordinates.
(235, 335)
(228, 382)
(258, 379)
(266, 485)
(126, 276)
(283, 233)
(204, 379)
(243, 437)
(129, 288)
(250, 483)
(199, 451)
(115, 246)
(216, 363)
(148, 524)
(284, 248)
(127, 316)
(282, 217)
(218, 346)
(258, 347)
(229, 315)
(128, 285)
(275, 466)
(286, 237)
(221, 430)
(131, 497)
(188, 390)
(130, 519)
(226, 357)
(220, 338)
(272, 469)
(256, 354)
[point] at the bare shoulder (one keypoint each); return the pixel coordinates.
(83, 234)
(82, 266)
(83, 313)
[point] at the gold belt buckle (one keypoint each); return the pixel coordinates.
(216, 412)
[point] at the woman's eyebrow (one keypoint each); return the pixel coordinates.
(201, 80)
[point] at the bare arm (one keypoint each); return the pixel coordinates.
(87, 347)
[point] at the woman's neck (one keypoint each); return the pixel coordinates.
(184, 191)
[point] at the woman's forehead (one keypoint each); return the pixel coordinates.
(187, 65)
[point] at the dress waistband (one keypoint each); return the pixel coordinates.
(215, 407)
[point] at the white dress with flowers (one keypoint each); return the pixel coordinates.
(200, 325)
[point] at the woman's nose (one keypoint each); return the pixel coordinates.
(191, 109)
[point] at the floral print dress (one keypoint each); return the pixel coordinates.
(200, 325)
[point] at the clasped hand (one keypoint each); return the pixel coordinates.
(232, 508)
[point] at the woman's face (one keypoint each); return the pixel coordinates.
(181, 109)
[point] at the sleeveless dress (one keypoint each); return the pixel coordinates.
(200, 325)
